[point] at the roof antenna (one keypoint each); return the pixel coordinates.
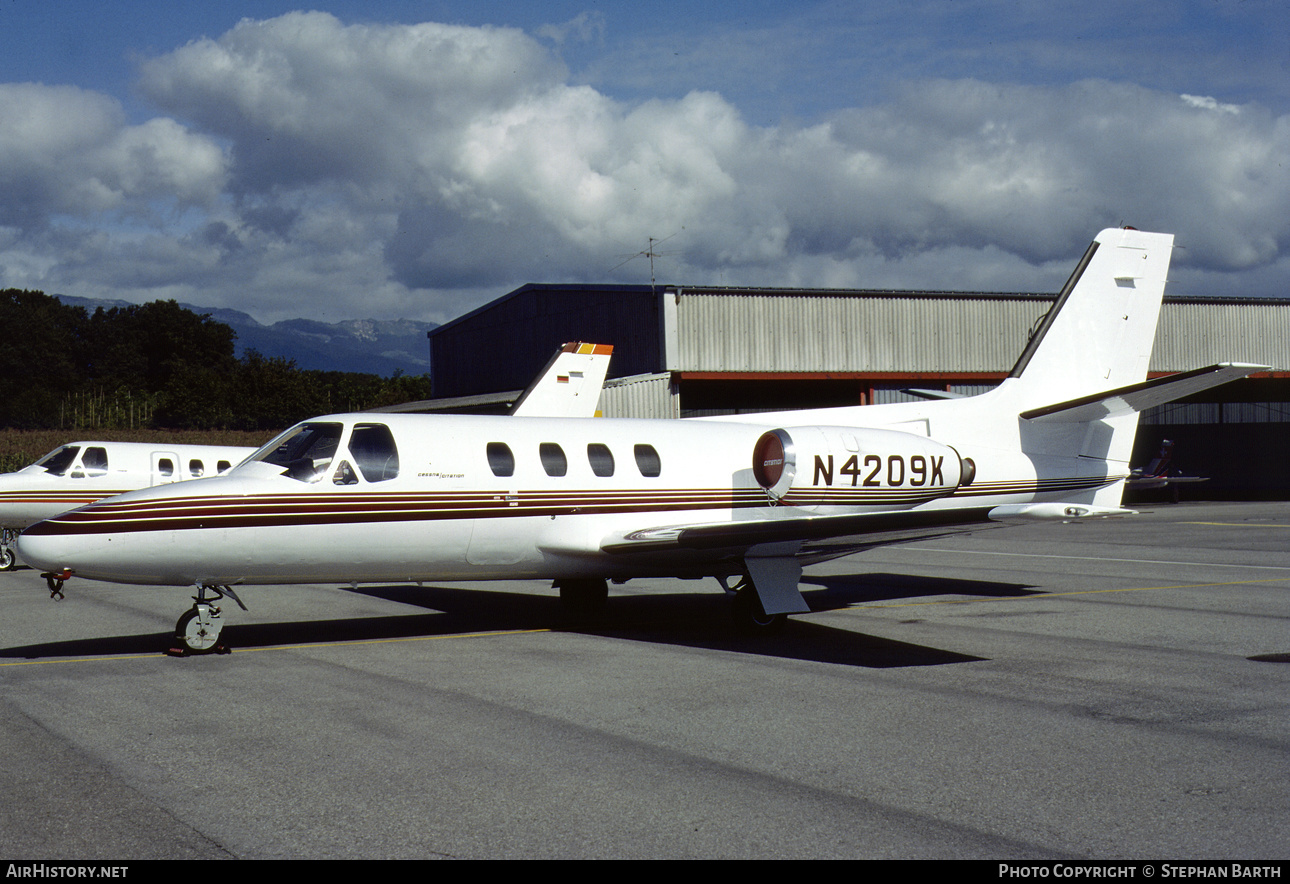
(651, 254)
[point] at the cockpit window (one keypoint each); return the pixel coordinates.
(57, 462)
(304, 453)
(374, 451)
(344, 475)
(95, 461)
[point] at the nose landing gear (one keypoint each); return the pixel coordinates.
(7, 557)
(198, 630)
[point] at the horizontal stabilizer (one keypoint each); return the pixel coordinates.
(1139, 397)
(1047, 512)
(932, 394)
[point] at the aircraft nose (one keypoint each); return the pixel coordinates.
(52, 552)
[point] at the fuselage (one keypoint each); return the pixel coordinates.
(377, 497)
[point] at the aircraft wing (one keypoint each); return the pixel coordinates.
(1138, 397)
(859, 530)
(569, 385)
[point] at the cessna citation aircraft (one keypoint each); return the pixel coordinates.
(78, 473)
(360, 498)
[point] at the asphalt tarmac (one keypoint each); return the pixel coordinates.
(1111, 689)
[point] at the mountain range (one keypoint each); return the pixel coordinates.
(370, 346)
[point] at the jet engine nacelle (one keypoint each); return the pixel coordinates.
(817, 466)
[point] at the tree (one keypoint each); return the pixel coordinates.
(42, 359)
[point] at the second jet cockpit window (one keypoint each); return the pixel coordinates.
(95, 461)
(57, 462)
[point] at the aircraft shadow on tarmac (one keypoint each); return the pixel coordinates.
(845, 590)
(697, 619)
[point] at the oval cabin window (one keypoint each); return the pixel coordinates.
(647, 461)
(601, 459)
(500, 459)
(553, 459)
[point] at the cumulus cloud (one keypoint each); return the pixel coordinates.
(66, 150)
(418, 170)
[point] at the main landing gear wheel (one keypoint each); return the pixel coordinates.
(583, 598)
(197, 631)
(749, 617)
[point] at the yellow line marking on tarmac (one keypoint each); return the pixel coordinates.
(1049, 595)
(42, 660)
(1237, 524)
(301, 647)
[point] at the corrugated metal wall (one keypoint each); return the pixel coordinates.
(866, 333)
(502, 345)
(945, 333)
(1195, 333)
(646, 395)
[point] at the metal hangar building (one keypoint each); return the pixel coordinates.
(682, 351)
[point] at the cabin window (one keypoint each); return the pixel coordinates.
(95, 461)
(57, 462)
(500, 459)
(304, 452)
(601, 459)
(196, 468)
(375, 452)
(166, 467)
(647, 461)
(223, 466)
(553, 459)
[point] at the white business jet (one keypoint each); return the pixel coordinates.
(80, 473)
(359, 498)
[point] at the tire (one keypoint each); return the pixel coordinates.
(749, 617)
(194, 637)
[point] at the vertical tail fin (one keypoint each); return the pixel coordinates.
(570, 384)
(1099, 333)
(1097, 338)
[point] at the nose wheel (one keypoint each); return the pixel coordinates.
(197, 631)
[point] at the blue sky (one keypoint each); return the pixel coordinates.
(415, 159)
